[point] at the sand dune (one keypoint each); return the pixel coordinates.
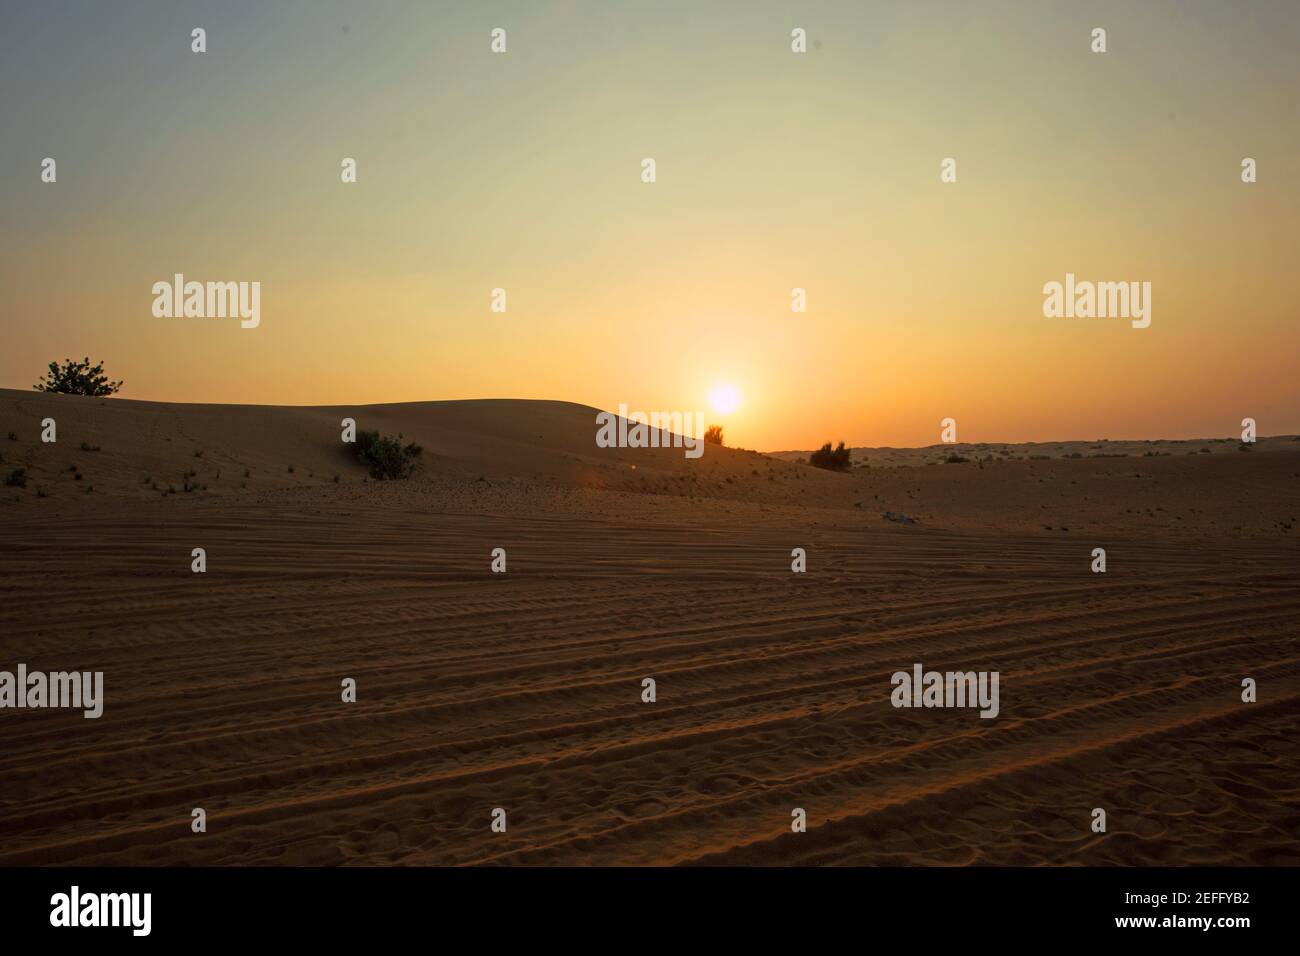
(522, 690)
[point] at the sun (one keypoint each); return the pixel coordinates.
(724, 399)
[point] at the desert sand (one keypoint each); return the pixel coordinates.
(523, 690)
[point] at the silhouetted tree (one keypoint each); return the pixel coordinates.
(713, 434)
(77, 378)
(837, 460)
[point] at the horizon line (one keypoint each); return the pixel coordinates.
(561, 401)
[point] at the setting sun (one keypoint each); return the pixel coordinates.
(724, 399)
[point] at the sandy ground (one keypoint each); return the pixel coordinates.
(523, 690)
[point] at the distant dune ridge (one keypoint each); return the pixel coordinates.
(552, 444)
(522, 690)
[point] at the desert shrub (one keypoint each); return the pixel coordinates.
(17, 478)
(386, 457)
(713, 435)
(832, 460)
(955, 460)
(77, 378)
(365, 441)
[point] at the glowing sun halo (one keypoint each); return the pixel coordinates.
(724, 399)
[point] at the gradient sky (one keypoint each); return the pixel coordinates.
(775, 170)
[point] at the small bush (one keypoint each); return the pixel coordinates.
(713, 435)
(836, 460)
(387, 458)
(87, 446)
(77, 378)
(17, 478)
(363, 443)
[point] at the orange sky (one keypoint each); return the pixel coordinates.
(775, 170)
